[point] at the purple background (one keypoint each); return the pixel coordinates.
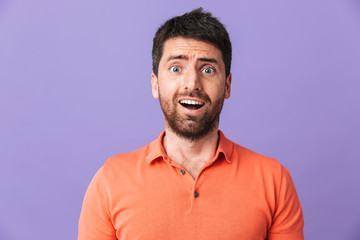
(75, 90)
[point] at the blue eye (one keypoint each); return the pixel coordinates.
(175, 69)
(208, 70)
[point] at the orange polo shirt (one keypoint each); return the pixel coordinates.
(239, 194)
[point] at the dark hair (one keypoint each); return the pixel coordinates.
(196, 24)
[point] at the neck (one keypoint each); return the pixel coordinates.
(191, 155)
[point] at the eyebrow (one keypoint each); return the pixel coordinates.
(176, 57)
(211, 60)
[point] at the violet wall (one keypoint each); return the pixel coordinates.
(75, 90)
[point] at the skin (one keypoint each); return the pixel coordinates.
(190, 69)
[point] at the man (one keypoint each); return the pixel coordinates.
(192, 182)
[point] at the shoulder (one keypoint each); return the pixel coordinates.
(126, 161)
(130, 166)
(260, 168)
(120, 170)
(247, 157)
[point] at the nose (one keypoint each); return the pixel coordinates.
(192, 80)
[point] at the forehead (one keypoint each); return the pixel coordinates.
(190, 47)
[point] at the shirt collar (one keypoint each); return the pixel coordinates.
(155, 149)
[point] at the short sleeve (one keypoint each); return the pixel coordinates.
(288, 222)
(95, 220)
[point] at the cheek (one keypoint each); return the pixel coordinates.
(216, 91)
(166, 93)
(168, 87)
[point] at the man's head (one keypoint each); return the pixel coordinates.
(196, 24)
(191, 78)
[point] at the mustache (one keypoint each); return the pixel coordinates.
(195, 94)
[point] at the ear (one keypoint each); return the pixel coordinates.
(155, 86)
(228, 86)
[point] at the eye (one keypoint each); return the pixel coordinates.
(208, 70)
(175, 69)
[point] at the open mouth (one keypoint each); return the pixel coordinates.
(190, 104)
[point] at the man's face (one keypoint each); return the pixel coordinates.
(191, 86)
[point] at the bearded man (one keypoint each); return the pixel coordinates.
(191, 182)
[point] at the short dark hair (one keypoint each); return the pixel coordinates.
(196, 24)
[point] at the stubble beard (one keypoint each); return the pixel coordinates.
(190, 127)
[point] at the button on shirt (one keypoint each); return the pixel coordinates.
(238, 195)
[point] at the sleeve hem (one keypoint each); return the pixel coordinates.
(287, 236)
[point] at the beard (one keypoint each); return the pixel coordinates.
(188, 126)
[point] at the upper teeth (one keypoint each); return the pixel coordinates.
(191, 102)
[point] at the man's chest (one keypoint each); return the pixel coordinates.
(177, 207)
